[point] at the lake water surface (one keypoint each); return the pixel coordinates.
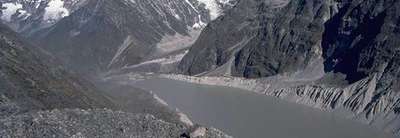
(244, 114)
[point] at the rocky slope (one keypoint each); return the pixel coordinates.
(97, 123)
(356, 40)
(32, 80)
(37, 95)
(266, 38)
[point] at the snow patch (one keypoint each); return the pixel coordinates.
(23, 14)
(199, 25)
(9, 10)
(225, 2)
(177, 16)
(213, 7)
(55, 10)
(191, 5)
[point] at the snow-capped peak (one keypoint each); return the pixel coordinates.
(55, 10)
(216, 7)
(213, 8)
(31, 15)
(10, 9)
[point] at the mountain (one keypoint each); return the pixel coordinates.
(264, 38)
(29, 16)
(32, 80)
(99, 35)
(94, 36)
(33, 15)
(214, 8)
(338, 54)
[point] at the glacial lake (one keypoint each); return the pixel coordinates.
(244, 114)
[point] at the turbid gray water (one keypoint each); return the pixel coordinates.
(244, 114)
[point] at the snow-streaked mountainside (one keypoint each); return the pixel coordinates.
(111, 34)
(32, 15)
(101, 35)
(216, 7)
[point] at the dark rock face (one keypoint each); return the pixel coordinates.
(363, 38)
(106, 34)
(31, 80)
(263, 37)
(354, 37)
(362, 41)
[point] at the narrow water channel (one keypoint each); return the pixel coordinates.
(244, 114)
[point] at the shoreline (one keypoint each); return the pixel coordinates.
(304, 93)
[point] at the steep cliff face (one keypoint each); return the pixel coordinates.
(30, 80)
(265, 38)
(259, 39)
